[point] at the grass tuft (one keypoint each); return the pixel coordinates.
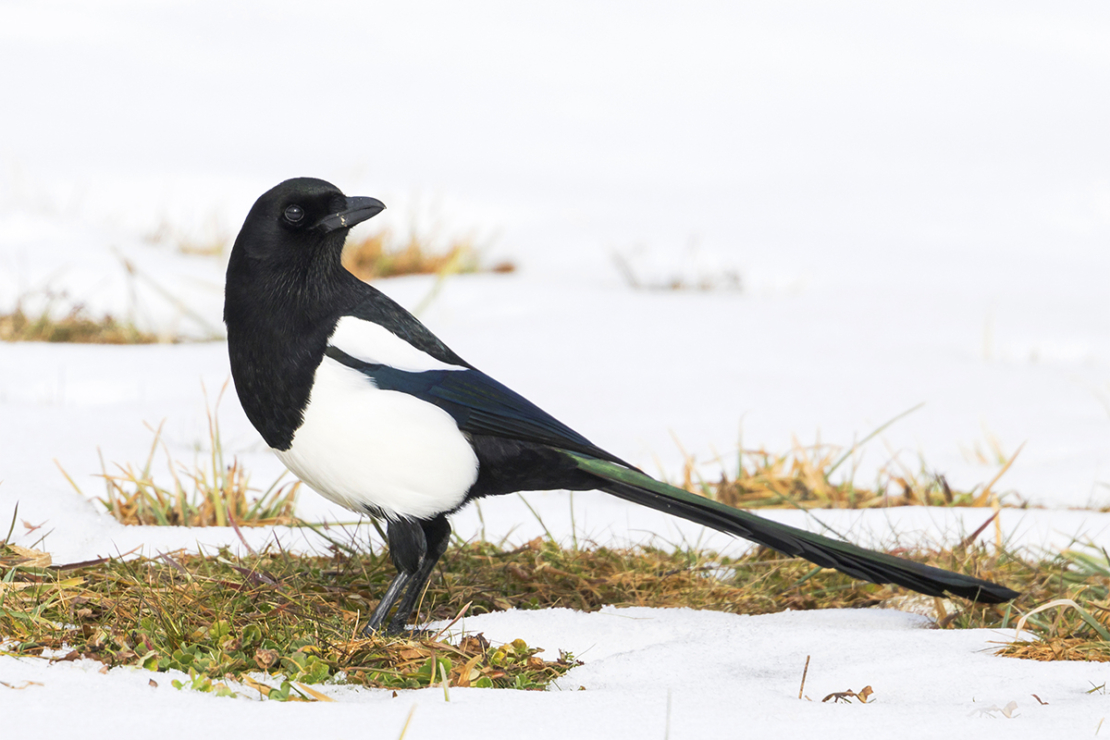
(1072, 620)
(380, 255)
(215, 494)
(75, 327)
(804, 478)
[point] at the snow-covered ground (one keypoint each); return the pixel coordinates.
(915, 197)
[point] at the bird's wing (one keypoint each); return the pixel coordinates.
(478, 403)
(375, 308)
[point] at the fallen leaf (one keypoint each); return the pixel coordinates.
(264, 658)
(845, 696)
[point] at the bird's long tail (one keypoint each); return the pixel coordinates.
(868, 565)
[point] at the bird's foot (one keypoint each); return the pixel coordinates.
(398, 631)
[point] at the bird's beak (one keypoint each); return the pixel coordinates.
(357, 210)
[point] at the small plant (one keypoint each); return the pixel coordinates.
(1073, 624)
(75, 326)
(803, 479)
(380, 255)
(216, 494)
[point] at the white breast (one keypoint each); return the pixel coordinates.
(360, 445)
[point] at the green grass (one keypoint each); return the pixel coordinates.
(220, 618)
(224, 618)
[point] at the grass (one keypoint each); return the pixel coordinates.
(274, 622)
(381, 255)
(805, 478)
(278, 623)
(75, 326)
(1072, 620)
(213, 494)
(281, 623)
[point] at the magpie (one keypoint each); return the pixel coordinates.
(370, 409)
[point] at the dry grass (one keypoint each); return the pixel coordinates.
(805, 478)
(1072, 615)
(215, 494)
(541, 574)
(381, 255)
(75, 327)
(297, 618)
(221, 619)
(212, 616)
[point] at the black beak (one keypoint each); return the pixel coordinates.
(357, 211)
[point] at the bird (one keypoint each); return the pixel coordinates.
(367, 406)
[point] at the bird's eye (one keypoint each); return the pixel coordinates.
(294, 214)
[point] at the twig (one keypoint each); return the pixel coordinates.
(804, 672)
(452, 622)
(406, 726)
(972, 537)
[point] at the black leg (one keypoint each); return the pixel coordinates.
(407, 545)
(437, 535)
(386, 603)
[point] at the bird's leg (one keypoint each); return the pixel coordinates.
(386, 603)
(407, 546)
(437, 534)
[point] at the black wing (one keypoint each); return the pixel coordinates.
(378, 308)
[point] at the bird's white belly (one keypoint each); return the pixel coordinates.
(361, 446)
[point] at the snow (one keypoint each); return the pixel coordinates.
(913, 196)
(716, 671)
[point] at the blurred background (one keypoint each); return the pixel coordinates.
(796, 218)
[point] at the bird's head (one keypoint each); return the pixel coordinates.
(301, 221)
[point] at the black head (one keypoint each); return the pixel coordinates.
(301, 219)
(285, 285)
(287, 257)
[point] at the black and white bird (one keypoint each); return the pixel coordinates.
(370, 409)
